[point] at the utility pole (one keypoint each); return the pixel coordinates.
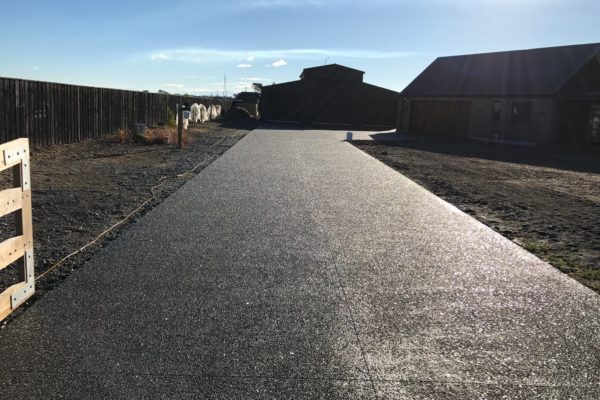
(225, 86)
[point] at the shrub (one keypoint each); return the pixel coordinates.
(171, 120)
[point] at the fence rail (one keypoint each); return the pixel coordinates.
(53, 113)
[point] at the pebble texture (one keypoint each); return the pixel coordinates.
(298, 267)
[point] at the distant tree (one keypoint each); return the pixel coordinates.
(257, 87)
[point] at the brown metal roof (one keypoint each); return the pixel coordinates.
(535, 72)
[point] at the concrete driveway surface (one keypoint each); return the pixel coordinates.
(298, 267)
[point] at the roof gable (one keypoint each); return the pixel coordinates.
(536, 72)
(332, 71)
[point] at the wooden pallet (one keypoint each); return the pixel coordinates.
(19, 249)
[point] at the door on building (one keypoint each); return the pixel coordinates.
(440, 117)
(332, 102)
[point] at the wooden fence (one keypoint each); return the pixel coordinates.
(18, 249)
(53, 113)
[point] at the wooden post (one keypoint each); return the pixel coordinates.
(179, 126)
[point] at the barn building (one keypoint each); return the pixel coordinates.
(330, 94)
(547, 95)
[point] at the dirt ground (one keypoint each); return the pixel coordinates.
(81, 189)
(546, 200)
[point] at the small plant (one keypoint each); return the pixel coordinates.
(171, 120)
(165, 136)
(124, 136)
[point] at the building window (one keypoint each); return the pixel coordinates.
(521, 111)
(496, 110)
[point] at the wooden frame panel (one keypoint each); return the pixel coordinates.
(19, 249)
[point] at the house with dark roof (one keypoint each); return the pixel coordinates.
(330, 94)
(547, 95)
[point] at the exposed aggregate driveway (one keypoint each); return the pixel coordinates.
(298, 267)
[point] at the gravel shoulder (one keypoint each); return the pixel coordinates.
(547, 201)
(81, 189)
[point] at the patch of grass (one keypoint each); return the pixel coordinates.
(153, 136)
(588, 276)
(533, 247)
(166, 136)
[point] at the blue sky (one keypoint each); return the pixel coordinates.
(188, 46)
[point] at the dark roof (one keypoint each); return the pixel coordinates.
(247, 96)
(369, 86)
(535, 72)
(332, 71)
(292, 85)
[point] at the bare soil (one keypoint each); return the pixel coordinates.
(81, 189)
(546, 200)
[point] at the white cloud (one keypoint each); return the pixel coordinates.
(255, 79)
(283, 3)
(181, 88)
(202, 55)
(279, 63)
(159, 56)
(244, 66)
(172, 86)
(250, 59)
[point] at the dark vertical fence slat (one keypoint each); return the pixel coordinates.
(18, 104)
(2, 115)
(55, 114)
(78, 113)
(74, 111)
(97, 114)
(19, 128)
(14, 111)
(45, 131)
(51, 120)
(32, 111)
(26, 107)
(16, 115)
(9, 110)
(71, 105)
(60, 113)
(4, 103)
(84, 114)
(69, 112)
(8, 102)
(38, 117)
(67, 115)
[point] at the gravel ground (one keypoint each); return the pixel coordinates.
(81, 189)
(547, 201)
